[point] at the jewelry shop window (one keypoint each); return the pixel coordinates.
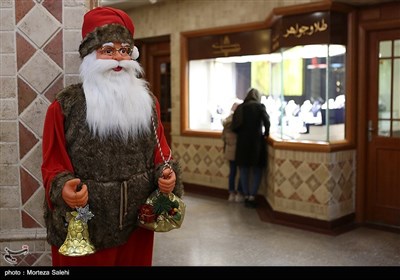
(220, 69)
(307, 101)
(299, 66)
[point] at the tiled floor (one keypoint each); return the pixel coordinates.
(221, 233)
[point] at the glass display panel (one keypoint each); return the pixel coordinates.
(215, 84)
(318, 113)
(303, 90)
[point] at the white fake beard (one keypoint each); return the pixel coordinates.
(118, 103)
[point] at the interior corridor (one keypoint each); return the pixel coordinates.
(216, 232)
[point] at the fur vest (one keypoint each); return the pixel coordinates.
(119, 176)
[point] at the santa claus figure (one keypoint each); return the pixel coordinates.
(104, 146)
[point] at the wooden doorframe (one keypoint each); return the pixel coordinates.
(151, 49)
(147, 55)
(364, 29)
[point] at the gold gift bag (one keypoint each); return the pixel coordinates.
(162, 212)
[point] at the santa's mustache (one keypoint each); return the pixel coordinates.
(92, 66)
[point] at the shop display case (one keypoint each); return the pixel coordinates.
(308, 78)
(298, 64)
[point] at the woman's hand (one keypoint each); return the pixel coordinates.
(166, 182)
(73, 198)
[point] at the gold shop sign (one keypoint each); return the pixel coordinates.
(225, 47)
(314, 28)
(251, 42)
(298, 31)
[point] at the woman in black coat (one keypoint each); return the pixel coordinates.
(251, 123)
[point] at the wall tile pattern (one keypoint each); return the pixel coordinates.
(314, 185)
(32, 70)
(311, 184)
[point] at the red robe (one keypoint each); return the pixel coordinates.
(138, 251)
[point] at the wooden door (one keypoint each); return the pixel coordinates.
(156, 62)
(383, 148)
(162, 85)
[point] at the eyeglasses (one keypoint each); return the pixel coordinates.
(111, 51)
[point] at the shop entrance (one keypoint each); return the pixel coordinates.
(383, 128)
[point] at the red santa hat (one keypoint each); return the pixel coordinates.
(105, 24)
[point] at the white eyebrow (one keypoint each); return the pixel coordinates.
(111, 44)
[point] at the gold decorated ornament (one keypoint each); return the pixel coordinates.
(161, 212)
(78, 242)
